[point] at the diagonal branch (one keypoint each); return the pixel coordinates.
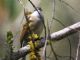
(54, 37)
(66, 31)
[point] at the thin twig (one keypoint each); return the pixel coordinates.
(48, 26)
(77, 12)
(77, 53)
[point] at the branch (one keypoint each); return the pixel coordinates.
(54, 37)
(65, 32)
(21, 52)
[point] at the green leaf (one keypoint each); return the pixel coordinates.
(9, 37)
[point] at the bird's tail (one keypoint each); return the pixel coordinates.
(24, 43)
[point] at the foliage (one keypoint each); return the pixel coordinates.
(9, 39)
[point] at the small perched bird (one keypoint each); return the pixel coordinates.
(34, 25)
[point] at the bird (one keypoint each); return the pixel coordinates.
(34, 24)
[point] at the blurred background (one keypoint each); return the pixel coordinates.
(66, 11)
